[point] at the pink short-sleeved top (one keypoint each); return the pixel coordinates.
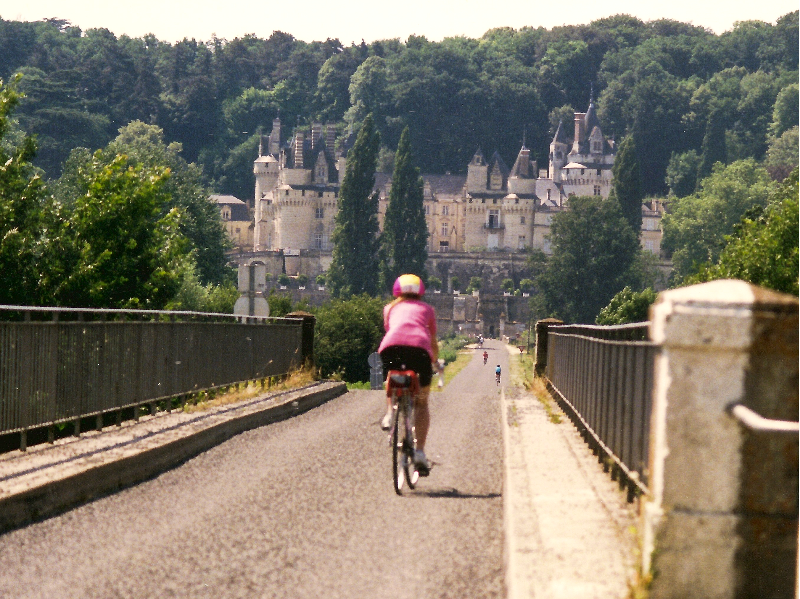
(411, 323)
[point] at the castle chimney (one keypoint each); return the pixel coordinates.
(330, 139)
(316, 134)
(579, 131)
(299, 138)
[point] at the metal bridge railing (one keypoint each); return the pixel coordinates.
(59, 365)
(604, 377)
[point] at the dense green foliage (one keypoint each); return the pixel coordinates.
(627, 306)
(113, 245)
(21, 197)
(405, 232)
(355, 259)
(114, 235)
(627, 185)
(696, 225)
(346, 333)
(667, 83)
(763, 248)
(594, 255)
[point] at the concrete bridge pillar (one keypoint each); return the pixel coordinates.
(722, 518)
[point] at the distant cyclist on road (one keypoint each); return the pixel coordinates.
(485, 357)
(497, 374)
(410, 343)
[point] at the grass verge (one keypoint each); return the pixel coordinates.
(522, 374)
(243, 391)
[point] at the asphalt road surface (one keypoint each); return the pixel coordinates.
(301, 508)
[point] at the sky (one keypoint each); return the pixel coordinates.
(353, 20)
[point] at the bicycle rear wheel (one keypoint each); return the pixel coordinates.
(412, 474)
(397, 442)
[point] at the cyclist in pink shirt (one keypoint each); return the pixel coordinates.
(410, 344)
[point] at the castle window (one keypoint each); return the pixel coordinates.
(445, 211)
(444, 229)
(319, 213)
(521, 242)
(522, 220)
(494, 219)
(597, 190)
(427, 209)
(318, 241)
(444, 246)
(548, 194)
(599, 172)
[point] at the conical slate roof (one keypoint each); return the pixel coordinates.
(560, 137)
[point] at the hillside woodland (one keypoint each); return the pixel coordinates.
(690, 97)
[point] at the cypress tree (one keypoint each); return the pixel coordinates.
(356, 244)
(405, 232)
(627, 186)
(713, 149)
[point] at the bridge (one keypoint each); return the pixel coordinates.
(687, 416)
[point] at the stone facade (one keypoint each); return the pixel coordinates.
(491, 208)
(236, 220)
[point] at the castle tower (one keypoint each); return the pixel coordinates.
(477, 173)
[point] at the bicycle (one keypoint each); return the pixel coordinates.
(403, 386)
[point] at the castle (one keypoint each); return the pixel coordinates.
(491, 208)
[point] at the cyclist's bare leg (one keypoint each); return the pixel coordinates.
(422, 416)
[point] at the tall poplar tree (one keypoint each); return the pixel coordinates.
(714, 148)
(356, 243)
(405, 232)
(627, 184)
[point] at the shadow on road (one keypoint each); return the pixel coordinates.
(452, 493)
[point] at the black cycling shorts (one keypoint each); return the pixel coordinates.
(404, 357)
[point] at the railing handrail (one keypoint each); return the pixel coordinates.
(140, 312)
(756, 422)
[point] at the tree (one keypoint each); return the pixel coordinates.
(593, 250)
(714, 146)
(113, 246)
(782, 154)
(21, 196)
(200, 221)
(405, 232)
(355, 262)
(627, 306)
(627, 183)
(507, 285)
(695, 226)
(764, 250)
(347, 332)
(682, 173)
(475, 284)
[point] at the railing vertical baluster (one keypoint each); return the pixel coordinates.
(604, 375)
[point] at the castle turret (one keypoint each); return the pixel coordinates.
(477, 173)
(558, 153)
